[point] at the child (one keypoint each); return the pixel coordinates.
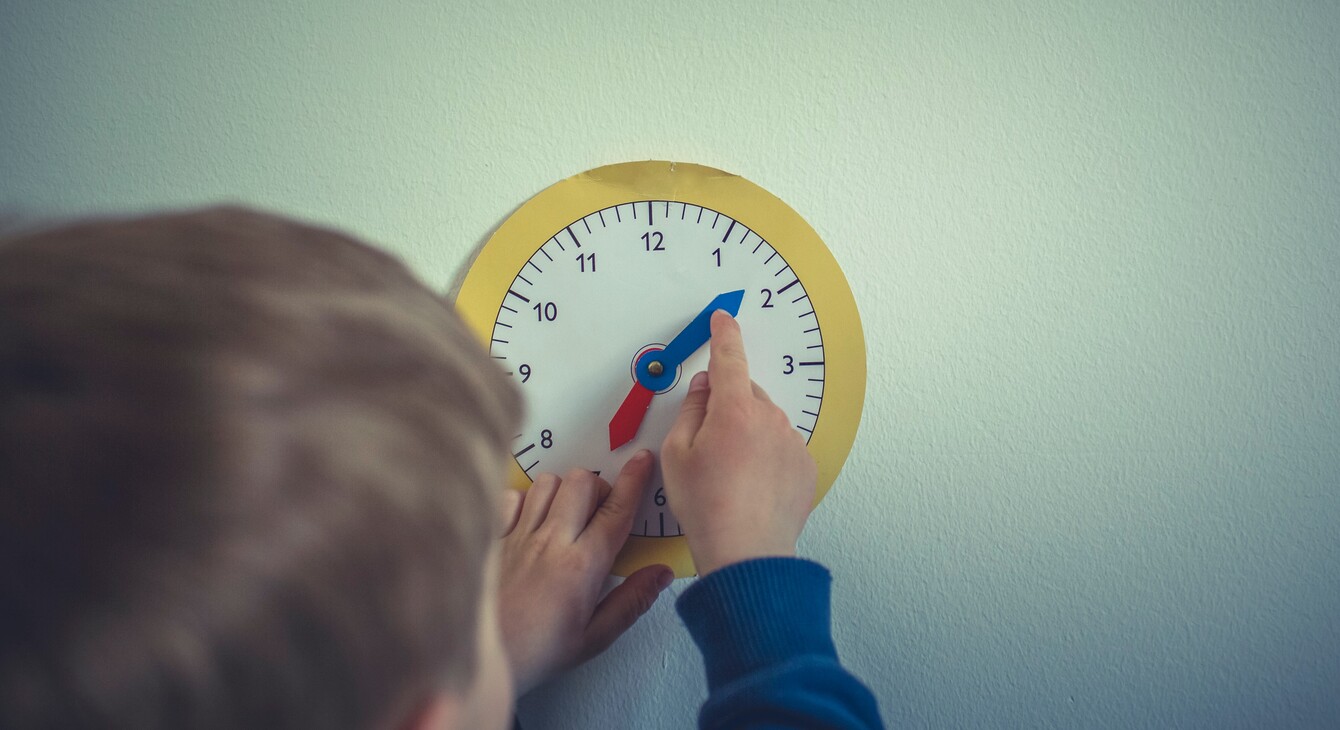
(249, 477)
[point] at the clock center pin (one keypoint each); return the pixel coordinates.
(649, 369)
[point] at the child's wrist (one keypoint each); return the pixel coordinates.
(711, 558)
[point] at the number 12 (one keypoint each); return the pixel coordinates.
(653, 241)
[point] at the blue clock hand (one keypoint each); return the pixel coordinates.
(655, 369)
(699, 331)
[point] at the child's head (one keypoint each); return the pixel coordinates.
(247, 479)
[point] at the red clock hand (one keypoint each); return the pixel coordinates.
(628, 419)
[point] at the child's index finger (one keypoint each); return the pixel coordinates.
(727, 367)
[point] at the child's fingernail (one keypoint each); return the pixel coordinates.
(664, 579)
(642, 454)
(698, 382)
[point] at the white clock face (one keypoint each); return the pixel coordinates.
(608, 286)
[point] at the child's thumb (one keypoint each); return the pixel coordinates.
(691, 412)
(623, 606)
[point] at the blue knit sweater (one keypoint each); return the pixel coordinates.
(763, 629)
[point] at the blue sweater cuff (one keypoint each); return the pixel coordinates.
(758, 613)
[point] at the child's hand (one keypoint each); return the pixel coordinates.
(559, 542)
(737, 475)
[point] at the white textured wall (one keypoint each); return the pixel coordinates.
(1096, 247)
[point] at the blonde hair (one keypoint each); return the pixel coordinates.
(247, 477)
